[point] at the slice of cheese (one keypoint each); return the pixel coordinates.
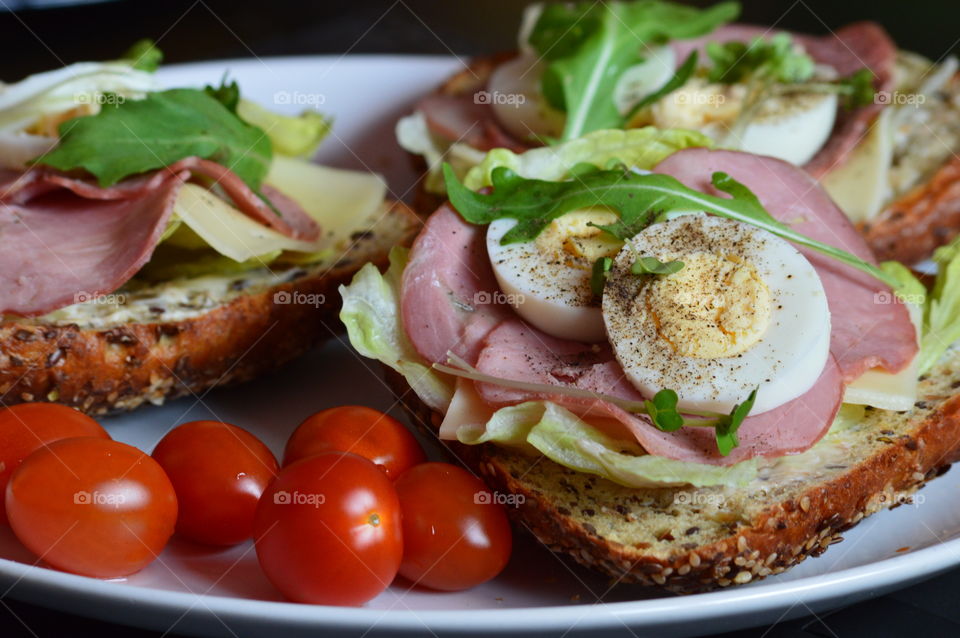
(885, 390)
(332, 196)
(227, 230)
(335, 198)
(860, 185)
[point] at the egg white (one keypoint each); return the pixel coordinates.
(784, 363)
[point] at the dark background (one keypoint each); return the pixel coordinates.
(34, 40)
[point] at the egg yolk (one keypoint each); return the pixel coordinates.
(572, 241)
(715, 306)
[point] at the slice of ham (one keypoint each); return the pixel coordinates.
(516, 351)
(851, 48)
(868, 330)
(293, 221)
(83, 240)
(449, 289)
(459, 118)
(62, 249)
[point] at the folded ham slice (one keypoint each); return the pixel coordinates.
(449, 292)
(516, 351)
(64, 239)
(869, 328)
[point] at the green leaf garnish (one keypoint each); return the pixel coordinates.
(588, 46)
(662, 411)
(774, 59)
(535, 203)
(227, 94)
(599, 274)
(135, 136)
(856, 89)
(678, 79)
(653, 266)
(144, 55)
(726, 428)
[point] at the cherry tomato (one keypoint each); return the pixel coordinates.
(328, 530)
(363, 431)
(454, 535)
(27, 426)
(219, 472)
(92, 506)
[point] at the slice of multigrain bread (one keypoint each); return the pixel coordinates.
(697, 539)
(148, 344)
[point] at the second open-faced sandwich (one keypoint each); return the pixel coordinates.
(877, 125)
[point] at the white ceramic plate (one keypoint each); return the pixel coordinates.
(194, 590)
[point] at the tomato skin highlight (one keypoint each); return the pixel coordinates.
(27, 426)
(219, 472)
(455, 536)
(360, 430)
(328, 532)
(92, 506)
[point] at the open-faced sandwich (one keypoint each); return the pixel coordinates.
(878, 126)
(158, 242)
(691, 377)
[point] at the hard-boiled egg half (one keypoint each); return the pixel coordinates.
(547, 280)
(745, 310)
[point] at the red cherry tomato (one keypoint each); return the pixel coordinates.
(328, 530)
(92, 506)
(363, 431)
(28, 426)
(455, 536)
(219, 472)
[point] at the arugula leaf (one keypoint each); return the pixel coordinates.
(678, 79)
(226, 94)
(856, 89)
(599, 274)
(624, 230)
(653, 266)
(144, 55)
(726, 428)
(535, 203)
(588, 46)
(662, 411)
(773, 59)
(134, 136)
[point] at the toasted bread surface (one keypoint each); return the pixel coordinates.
(222, 330)
(698, 539)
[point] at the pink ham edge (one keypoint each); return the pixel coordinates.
(447, 293)
(868, 330)
(520, 352)
(293, 221)
(94, 239)
(78, 246)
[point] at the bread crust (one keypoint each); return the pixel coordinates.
(926, 217)
(782, 535)
(121, 367)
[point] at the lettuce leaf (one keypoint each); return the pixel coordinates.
(371, 314)
(941, 325)
(291, 135)
(414, 136)
(564, 438)
(640, 148)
